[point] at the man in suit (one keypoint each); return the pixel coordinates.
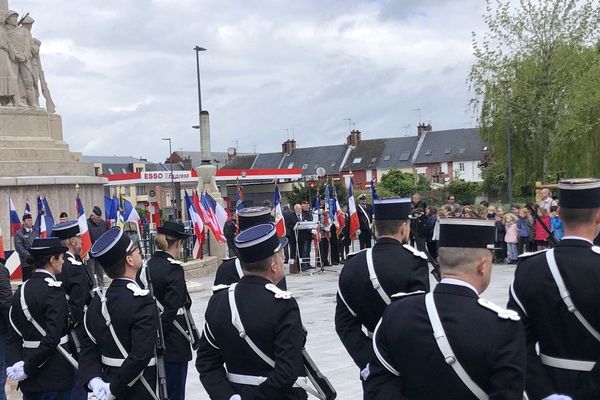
(365, 216)
(24, 237)
(451, 344)
(291, 219)
(556, 293)
(305, 236)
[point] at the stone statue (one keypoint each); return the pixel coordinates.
(9, 70)
(20, 42)
(36, 64)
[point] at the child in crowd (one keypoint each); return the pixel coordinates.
(557, 229)
(500, 244)
(511, 237)
(541, 235)
(524, 226)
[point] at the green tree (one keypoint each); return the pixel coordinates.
(538, 65)
(403, 183)
(464, 191)
(300, 192)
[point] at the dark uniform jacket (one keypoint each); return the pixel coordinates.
(77, 285)
(96, 230)
(490, 349)
(229, 273)
(358, 303)
(365, 224)
(168, 281)
(135, 319)
(23, 241)
(290, 219)
(46, 369)
(5, 298)
(548, 322)
(273, 324)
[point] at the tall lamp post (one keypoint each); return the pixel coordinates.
(508, 143)
(173, 197)
(198, 49)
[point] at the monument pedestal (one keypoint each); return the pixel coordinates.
(206, 181)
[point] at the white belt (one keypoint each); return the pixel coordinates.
(368, 333)
(257, 380)
(565, 363)
(33, 344)
(181, 311)
(117, 362)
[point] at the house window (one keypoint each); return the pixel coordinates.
(374, 159)
(357, 160)
(461, 150)
(405, 155)
(110, 171)
(123, 170)
(428, 153)
(140, 190)
(386, 158)
(96, 171)
(447, 151)
(304, 166)
(461, 167)
(291, 165)
(333, 164)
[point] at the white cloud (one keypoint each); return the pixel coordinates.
(123, 73)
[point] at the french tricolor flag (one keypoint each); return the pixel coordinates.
(15, 222)
(44, 221)
(354, 222)
(197, 224)
(86, 241)
(279, 221)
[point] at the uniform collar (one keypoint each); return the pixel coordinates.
(458, 282)
(455, 289)
(71, 254)
(576, 238)
(256, 280)
(387, 240)
(43, 271)
(162, 254)
(125, 281)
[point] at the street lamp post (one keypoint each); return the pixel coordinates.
(508, 145)
(198, 49)
(173, 197)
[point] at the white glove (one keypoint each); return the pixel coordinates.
(557, 397)
(235, 397)
(364, 374)
(358, 232)
(16, 372)
(99, 388)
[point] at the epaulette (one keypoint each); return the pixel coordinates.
(350, 255)
(596, 249)
(532, 253)
(400, 295)
(279, 294)
(219, 287)
(174, 261)
(52, 283)
(137, 291)
(228, 258)
(415, 252)
(73, 261)
(503, 313)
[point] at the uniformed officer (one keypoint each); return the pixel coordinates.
(372, 276)
(37, 348)
(170, 290)
(451, 344)
(121, 325)
(230, 271)
(556, 293)
(251, 347)
(77, 284)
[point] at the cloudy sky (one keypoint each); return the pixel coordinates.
(123, 73)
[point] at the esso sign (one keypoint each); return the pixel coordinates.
(165, 176)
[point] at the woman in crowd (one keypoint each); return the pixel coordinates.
(511, 237)
(541, 235)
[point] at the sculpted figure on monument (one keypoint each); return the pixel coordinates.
(21, 43)
(36, 64)
(9, 70)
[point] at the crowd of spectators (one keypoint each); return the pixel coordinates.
(517, 231)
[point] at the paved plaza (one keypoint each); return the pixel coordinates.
(316, 297)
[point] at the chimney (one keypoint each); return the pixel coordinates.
(187, 163)
(288, 146)
(353, 139)
(231, 153)
(422, 128)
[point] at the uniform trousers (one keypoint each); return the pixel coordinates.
(176, 377)
(62, 395)
(78, 392)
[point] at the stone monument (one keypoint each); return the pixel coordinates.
(34, 158)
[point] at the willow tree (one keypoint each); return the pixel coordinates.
(538, 65)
